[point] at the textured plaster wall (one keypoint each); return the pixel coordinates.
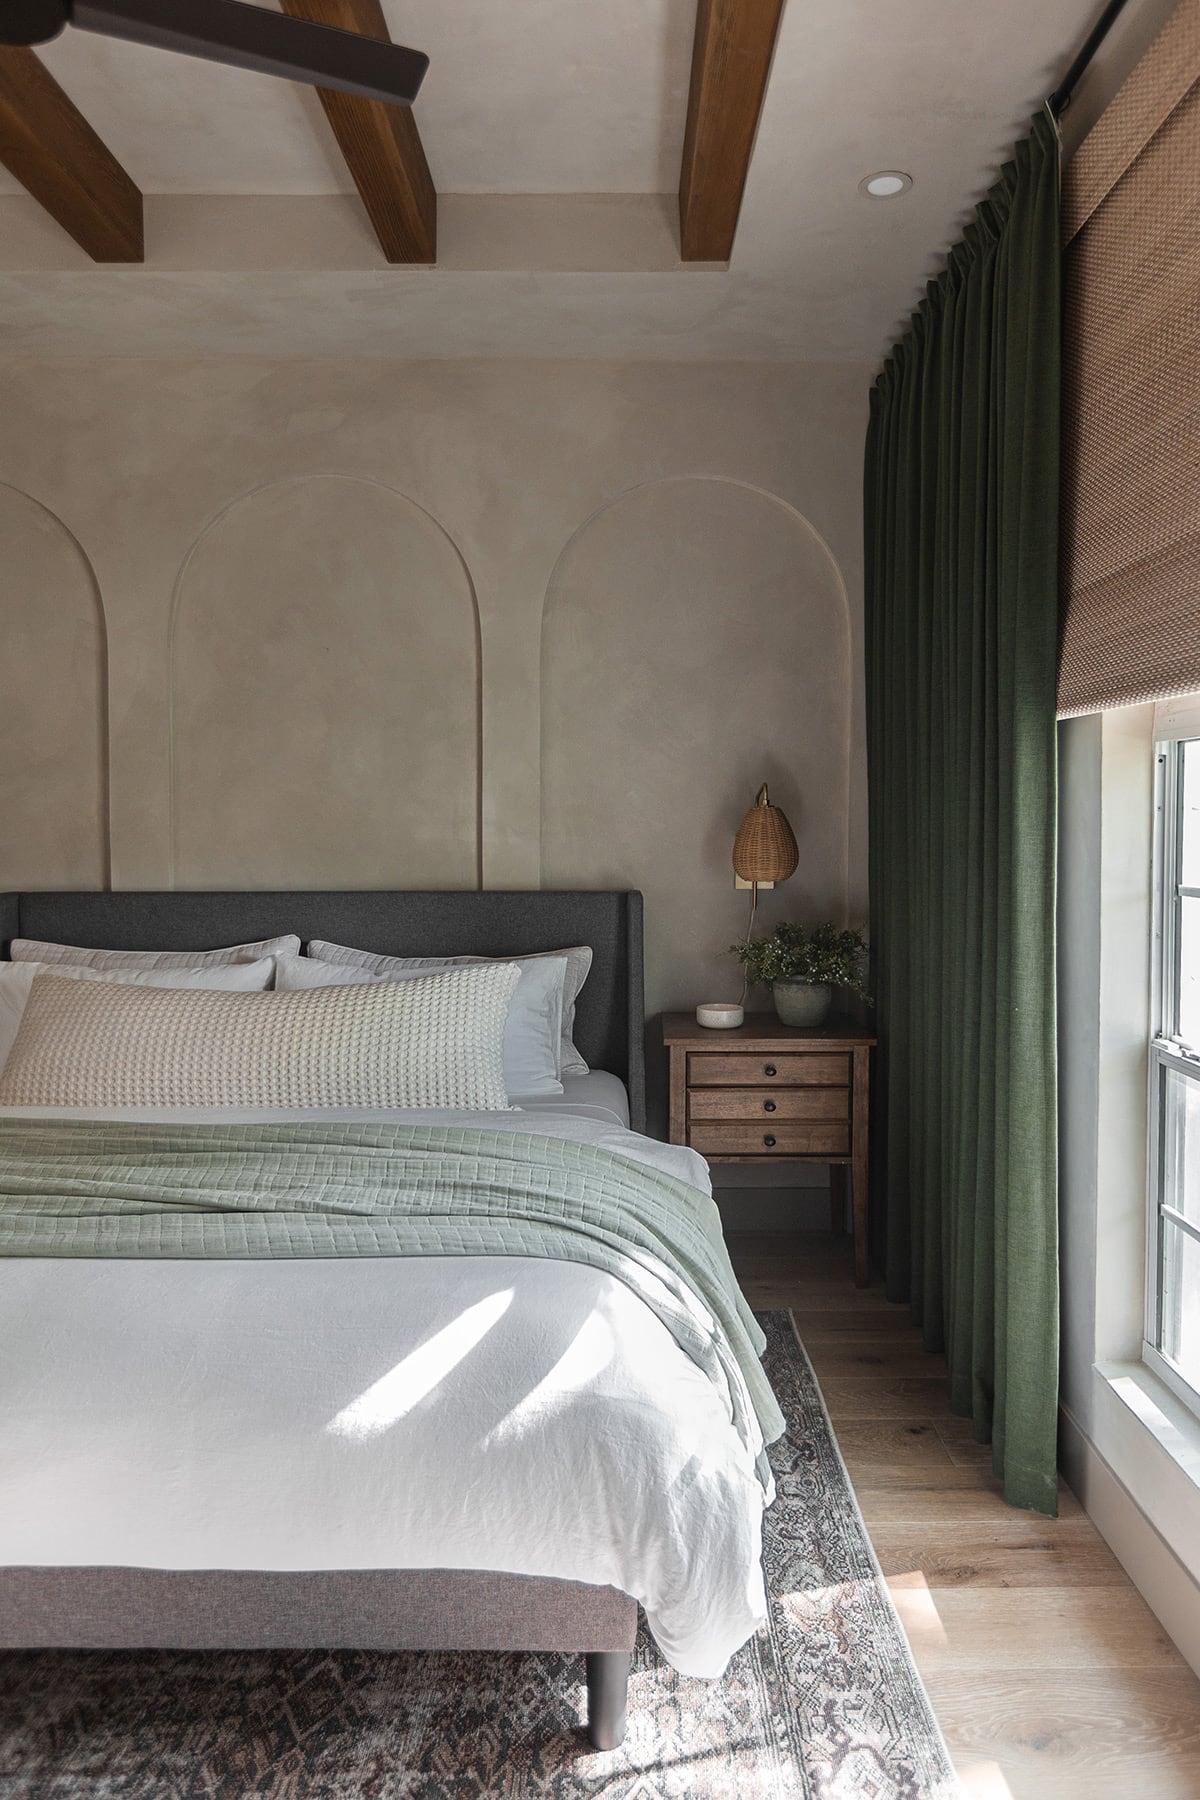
(358, 623)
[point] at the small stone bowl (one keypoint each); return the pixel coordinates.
(720, 1015)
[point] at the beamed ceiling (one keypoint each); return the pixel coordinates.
(643, 178)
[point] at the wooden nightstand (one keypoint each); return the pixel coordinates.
(767, 1092)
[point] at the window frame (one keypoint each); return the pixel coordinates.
(1176, 723)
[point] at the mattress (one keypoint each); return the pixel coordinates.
(597, 1095)
(435, 1412)
(592, 1096)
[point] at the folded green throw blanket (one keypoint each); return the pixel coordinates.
(80, 1188)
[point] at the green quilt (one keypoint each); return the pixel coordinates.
(78, 1188)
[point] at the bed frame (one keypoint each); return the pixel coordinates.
(386, 1609)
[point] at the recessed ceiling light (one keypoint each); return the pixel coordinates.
(885, 184)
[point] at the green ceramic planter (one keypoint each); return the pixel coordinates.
(802, 1002)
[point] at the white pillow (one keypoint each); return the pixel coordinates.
(531, 1031)
(437, 1042)
(16, 979)
(579, 961)
(31, 950)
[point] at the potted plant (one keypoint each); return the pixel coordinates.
(802, 967)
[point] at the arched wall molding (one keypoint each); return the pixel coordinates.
(732, 481)
(223, 513)
(103, 745)
(839, 587)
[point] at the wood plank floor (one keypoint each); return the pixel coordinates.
(1051, 1677)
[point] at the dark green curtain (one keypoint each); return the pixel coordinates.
(961, 575)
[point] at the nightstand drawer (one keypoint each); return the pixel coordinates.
(769, 1103)
(791, 1138)
(805, 1069)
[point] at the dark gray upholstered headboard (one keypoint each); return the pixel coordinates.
(608, 1018)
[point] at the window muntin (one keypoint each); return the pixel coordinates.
(1172, 1346)
(1187, 1023)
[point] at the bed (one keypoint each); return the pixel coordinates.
(149, 1555)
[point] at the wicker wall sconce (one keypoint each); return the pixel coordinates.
(764, 850)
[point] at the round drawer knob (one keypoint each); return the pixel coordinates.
(769, 1141)
(768, 1106)
(770, 1069)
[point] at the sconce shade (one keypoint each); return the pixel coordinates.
(765, 846)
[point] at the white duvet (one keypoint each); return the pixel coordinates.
(444, 1412)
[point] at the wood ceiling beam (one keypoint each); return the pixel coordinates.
(46, 142)
(381, 144)
(731, 59)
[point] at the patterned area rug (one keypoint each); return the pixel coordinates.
(824, 1704)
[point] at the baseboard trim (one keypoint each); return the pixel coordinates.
(1167, 1587)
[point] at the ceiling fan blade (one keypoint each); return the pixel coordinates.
(250, 37)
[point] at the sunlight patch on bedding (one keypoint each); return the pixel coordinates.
(586, 1356)
(387, 1400)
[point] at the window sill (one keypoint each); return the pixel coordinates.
(1173, 1426)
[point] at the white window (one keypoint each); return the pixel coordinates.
(1172, 1345)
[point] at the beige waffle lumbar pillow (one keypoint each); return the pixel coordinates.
(433, 1042)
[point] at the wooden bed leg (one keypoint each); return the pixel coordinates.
(607, 1690)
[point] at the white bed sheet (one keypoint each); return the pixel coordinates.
(441, 1412)
(595, 1095)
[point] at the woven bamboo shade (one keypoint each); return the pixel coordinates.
(1131, 388)
(765, 846)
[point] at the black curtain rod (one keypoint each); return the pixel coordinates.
(1060, 99)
